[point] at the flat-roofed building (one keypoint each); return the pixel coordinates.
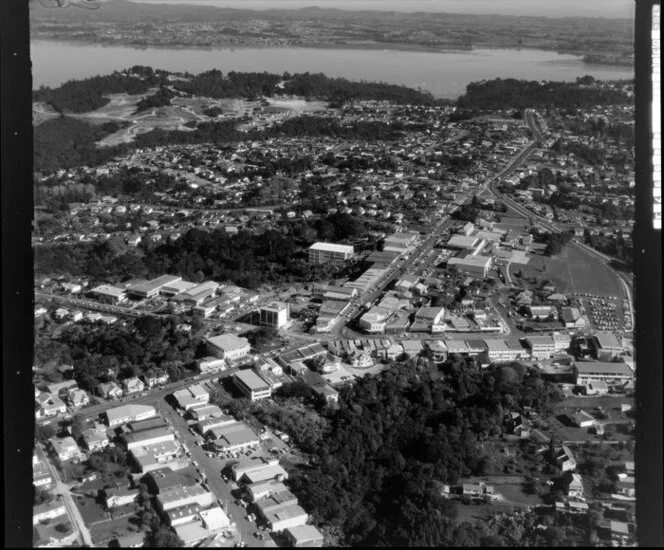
(429, 319)
(215, 519)
(157, 455)
(374, 320)
(541, 347)
(228, 346)
(65, 448)
(204, 426)
(191, 397)
(499, 351)
(474, 265)
(177, 287)
(591, 371)
(562, 341)
(234, 437)
(368, 279)
(384, 257)
(274, 315)
(249, 466)
(150, 289)
(198, 294)
(321, 253)
(400, 242)
(109, 294)
(284, 517)
(208, 411)
(304, 536)
(263, 489)
(183, 514)
(182, 497)
(129, 413)
(462, 242)
(209, 306)
(152, 436)
(608, 345)
(335, 293)
(252, 385)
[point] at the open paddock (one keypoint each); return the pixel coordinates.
(572, 271)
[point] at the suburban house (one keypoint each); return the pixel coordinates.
(65, 448)
(565, 459)
(48, 511)
(119, 496)
(78, 398)
(95, 438)
(575, 487)
(110, 390)
(133, 385)
(48, 406)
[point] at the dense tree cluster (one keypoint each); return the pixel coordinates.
(247, 259)
(66, 142)
(81, 96)
(161, 98)
(375, 475)
(110, 353)
(215, 84)
(519, 94)
(340, 90)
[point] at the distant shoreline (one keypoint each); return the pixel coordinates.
(368, 45)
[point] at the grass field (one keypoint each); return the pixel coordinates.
(572, 271)
(104, 532)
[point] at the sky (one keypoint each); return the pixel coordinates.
(546, 8)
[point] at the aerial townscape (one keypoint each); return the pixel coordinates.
(296, 310)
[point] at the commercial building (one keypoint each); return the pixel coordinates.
(129, 413)
(304, 536)
(192, 397)
(400, 242)
(374, 320)
(182, 497)
(284, 517)
(334, 293)
(607, 345)
(158, 455)
(541, 347)
(321, 253)
(251, 466)
(177, 287)
(498, 350)
(228, 346)
(474, 265)
(234, 437)
(150, 289)
(462, 242)
(198, 294)
(274, 315)
(429, 319)
(252, 385)
(263, 489)
(109, 294)
(145, 438)
(592, 371)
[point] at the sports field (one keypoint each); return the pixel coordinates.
(573, 271)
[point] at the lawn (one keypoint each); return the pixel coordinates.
(572, 271)
(108, 530)
(90, 510)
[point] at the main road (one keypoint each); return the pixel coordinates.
(548, 224)
(62, 489)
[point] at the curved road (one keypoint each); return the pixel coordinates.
(548, 224)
